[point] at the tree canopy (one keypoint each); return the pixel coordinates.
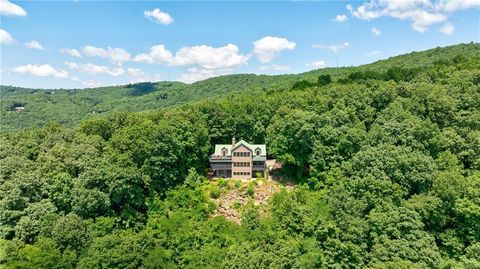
(385, 158)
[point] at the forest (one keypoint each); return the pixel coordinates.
(385, 158)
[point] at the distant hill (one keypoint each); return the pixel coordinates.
(68, 107)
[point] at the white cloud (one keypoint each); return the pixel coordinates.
(6, 38)
(209, 57)
(203, 56)
(135, 72)
(333, 48)
(274, 67)
(451, 6)
(33, 45)
(349, 7)
(44, 70)
(157, 15)
(447, 29)
(317, 64)
(10, 9)
(157, 54)
(421, 13)
(196, 74)
(92, 84)
(71, 52)
(375, 31)
(372, 53)
(423, 20)
(341, 18)
(139, 76)
(269, 47)
(93, 69)
(116, 55)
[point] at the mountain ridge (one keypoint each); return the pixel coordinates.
(70, 106)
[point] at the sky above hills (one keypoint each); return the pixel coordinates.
(78, 44)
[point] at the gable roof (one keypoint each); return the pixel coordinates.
(252, 147)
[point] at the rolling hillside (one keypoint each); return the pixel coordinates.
(68, 107)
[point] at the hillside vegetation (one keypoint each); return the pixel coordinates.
(69, 107)
(386, 158)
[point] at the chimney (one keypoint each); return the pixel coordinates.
(233, 142)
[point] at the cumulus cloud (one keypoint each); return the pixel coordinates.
(267, 48)
(71, 52)
(372, 53)
(317, 64)
(33, 45)
(450, 6)
(116, 55)
(447, 29)
(196, 74)
(333, 48)
(93, 69)
(139, 76)
(135, 72)
(421, 13)
(375, 31)
(92, 84)
(158, 16)
(158, 54)
(341, 18)
(274, 67)
(44, 70)
(10, 9)
(203, 56)
(6, 38)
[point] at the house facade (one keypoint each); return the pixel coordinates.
(240, 160)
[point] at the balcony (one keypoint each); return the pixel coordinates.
(219, 157)
(221, 166)
(258, 167)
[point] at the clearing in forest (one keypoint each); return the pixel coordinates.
(232, 195)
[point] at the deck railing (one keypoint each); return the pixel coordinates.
(217, 157)
(258, 167)
(217, 166)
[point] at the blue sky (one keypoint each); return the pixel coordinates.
(78, 44)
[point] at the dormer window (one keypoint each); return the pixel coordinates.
(257, 152)
(224, 152)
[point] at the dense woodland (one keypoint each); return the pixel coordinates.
(386, 158)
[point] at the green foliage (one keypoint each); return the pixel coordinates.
(324, 80)
(214, 192)
(71, 232)
(250, 191)
(389, 152)
(44, 254)
(124, 250)
(250, 217)
(301, 85)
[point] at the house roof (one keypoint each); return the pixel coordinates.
(228, 147)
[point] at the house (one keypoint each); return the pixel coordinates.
(239, 160)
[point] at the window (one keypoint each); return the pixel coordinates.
(224, 152)
(241, 154)
(241, 164)
(241, 173)
(257, 152)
